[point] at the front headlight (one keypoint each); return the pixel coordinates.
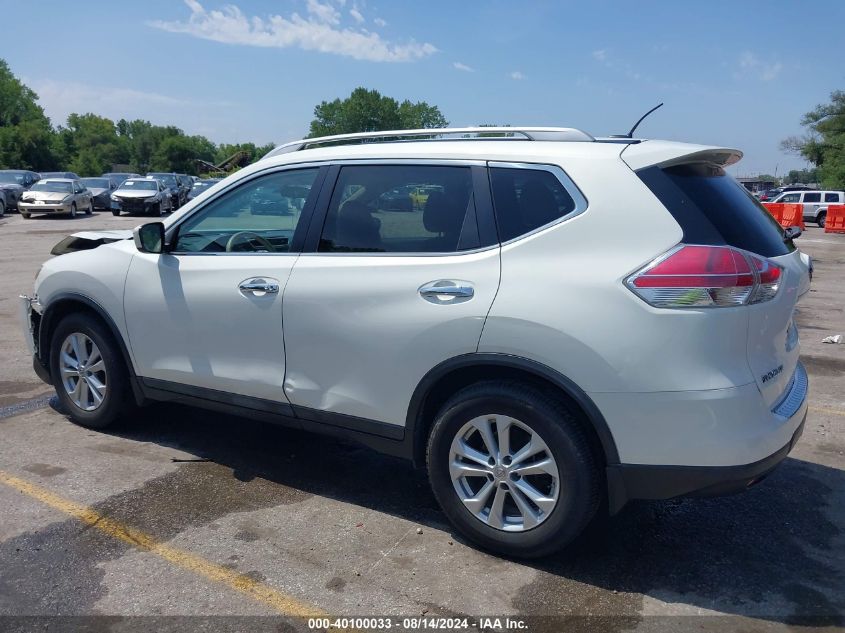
(115, 198)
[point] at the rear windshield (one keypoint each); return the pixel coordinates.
(712, 208)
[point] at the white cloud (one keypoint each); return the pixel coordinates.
(321, 12)
(516, 75)
(380, 22)
(316, 32)
(464, 67)
(61, 98)
(750, 64)
(356, 15)
(600, 55)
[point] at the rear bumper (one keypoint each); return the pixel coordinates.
(636, 481)
(716, 444)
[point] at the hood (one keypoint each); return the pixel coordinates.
(86, 240)
(97, 191)
(46, 196)
(138, 193)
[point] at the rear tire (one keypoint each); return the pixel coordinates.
(116, 395)
(569, 499)
(822, 219)
(115, 213)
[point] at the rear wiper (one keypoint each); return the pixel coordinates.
(790, 233)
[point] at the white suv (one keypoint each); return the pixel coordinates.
(552, 323)
(814, 203)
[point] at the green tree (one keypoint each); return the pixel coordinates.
(90, 144)
(802, 176)
(178, 153)
(26, 136)
(824, 143)
(370, 111)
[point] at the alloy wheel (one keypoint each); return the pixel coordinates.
(504, 473)
(83, 372)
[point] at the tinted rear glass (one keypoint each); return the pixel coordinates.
(712, 208)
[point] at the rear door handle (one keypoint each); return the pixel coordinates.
(259, 287)
(447, 291)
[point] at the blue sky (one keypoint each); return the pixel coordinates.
(736, 73)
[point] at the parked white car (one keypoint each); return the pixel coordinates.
(815, 203)
(565, 323)
(56, 195)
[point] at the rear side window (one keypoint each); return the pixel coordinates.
(526, 199)
(401, 209)
(831, 197)
(812, 197)
(713, 209)
(790, 198)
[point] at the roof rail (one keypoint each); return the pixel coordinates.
(462, 133)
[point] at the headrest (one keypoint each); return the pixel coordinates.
(442, 214)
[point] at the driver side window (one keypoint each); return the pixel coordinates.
(259, 216)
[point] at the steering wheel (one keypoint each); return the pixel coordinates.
(242, 234)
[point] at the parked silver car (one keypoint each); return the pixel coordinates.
(56, 195)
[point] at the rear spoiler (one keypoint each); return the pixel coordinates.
(668, 153)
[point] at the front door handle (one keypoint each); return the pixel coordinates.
(259, 287)
(447, 291)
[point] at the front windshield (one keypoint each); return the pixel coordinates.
(10, 177)
(53, 186)
(95, 183)
(145, 185)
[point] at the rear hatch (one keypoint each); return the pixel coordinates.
(714, 210)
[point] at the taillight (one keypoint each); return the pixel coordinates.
(701, 276)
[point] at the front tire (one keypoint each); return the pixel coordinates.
(822, 219)
(2, 209)
(89, 373)
(73, 210)
(115, 213)
(90, 210)
(26, 216)
(513, 469)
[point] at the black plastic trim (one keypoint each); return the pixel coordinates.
(382, 437)
(318, 213)
(351, 422)
(165, 390)
(416, 428)
(639, 481)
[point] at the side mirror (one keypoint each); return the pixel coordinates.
(149, 238)
(791, 232)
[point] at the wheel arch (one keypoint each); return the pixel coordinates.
(446, 378)
(67, 303)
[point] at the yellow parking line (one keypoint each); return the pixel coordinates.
(281, 602)
(826, 410)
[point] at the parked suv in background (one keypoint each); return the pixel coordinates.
(177, 195)
(815, 203)
(518, 332)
